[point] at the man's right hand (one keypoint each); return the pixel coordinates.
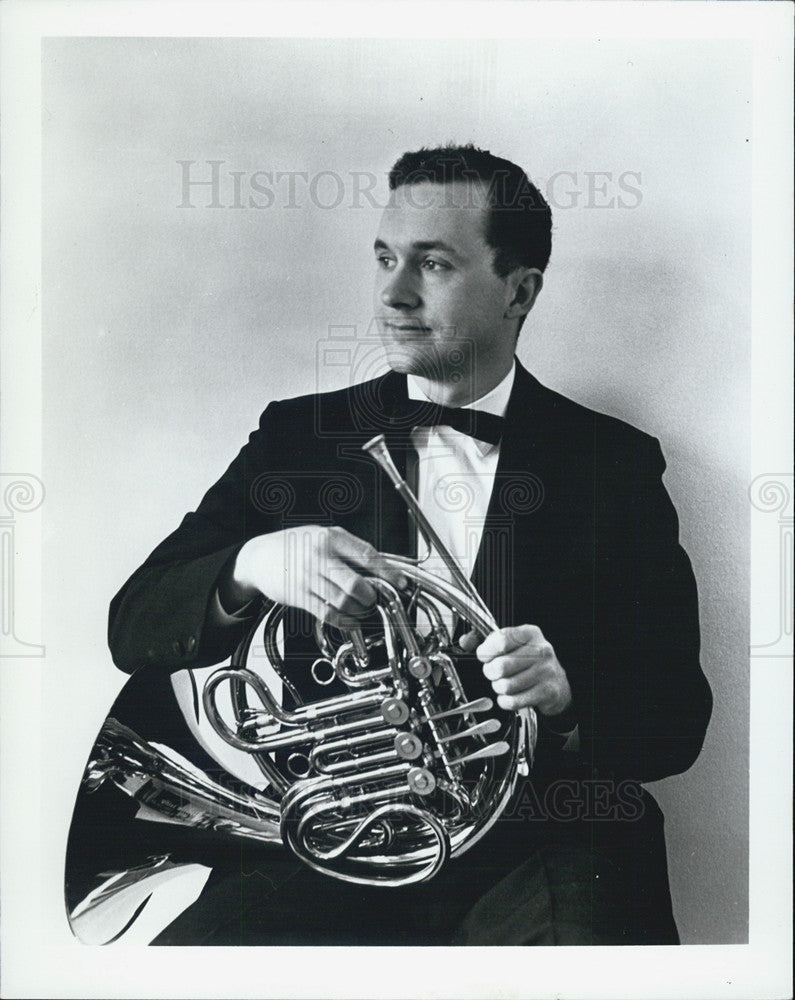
(322, 570)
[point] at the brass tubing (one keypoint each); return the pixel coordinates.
(303, 717)
(379, 451)
(352, 743)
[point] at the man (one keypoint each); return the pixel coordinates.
(599, 629)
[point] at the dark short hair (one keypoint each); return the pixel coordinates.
(519, 226)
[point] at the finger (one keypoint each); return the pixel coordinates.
(512, 703)
(515, 683)
(504, 640)
(362, 555)
(343, 622)
(545, 698)
(509, 665)
(321, 609)
(325, 611)
(341, 601)
(392, 574)
(469, 641)
(323, 565)
(346, 587)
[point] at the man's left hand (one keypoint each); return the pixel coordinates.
(523, 669)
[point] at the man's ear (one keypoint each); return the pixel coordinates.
(525, 284)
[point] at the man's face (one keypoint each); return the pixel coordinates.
(440, 306)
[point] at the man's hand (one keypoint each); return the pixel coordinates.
(523, 669)
(322, 570)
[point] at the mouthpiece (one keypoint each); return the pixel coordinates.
(378, 449)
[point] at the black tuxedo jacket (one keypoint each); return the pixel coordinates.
(580, 539)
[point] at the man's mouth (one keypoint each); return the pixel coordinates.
(407, 327)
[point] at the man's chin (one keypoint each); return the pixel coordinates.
(403, 365)
(412, 361)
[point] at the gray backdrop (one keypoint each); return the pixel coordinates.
(167, 328)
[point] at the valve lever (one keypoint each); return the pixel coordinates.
(481, 729)
(479, 705)
(492, 750)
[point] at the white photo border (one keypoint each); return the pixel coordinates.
(33, 966)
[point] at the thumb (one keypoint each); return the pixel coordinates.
(469, 641)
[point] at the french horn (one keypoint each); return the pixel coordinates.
(379, 783)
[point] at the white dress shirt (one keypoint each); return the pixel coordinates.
(455, 478)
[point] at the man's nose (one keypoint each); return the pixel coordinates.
(400, 290)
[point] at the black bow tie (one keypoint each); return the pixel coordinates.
(476, 423)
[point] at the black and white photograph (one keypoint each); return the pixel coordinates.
(397, 506)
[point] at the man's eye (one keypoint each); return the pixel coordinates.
(383, 261)
(434, 265)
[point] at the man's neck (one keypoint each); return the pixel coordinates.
(466, 390)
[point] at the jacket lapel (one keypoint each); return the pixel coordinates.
(377, 407)
(507, 544)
